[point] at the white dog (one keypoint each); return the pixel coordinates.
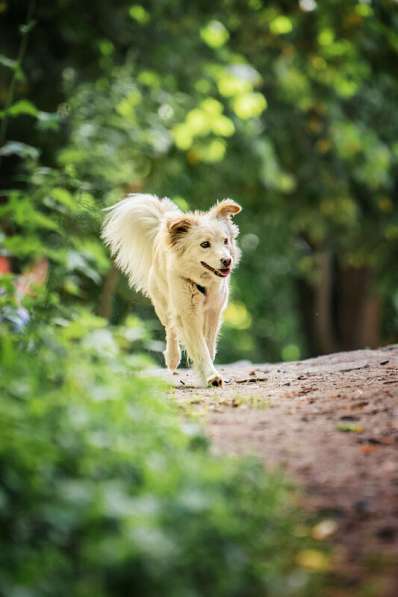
(182, 262)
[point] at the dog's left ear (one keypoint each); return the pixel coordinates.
(177, 228)
(225, 208)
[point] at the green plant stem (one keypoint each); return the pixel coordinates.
(21, 55)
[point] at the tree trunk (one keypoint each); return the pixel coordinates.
(105, 306)
(341, 310)
(359, 308)
(324, 324)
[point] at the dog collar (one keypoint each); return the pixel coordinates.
(201, 289)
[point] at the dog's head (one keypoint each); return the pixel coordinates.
(206, 242)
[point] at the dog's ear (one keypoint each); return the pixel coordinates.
(178, 227)
(225, 208)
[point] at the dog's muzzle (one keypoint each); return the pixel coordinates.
(221, 273)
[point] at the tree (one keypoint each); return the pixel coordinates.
(287, 107)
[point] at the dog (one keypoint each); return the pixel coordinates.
(182, 262)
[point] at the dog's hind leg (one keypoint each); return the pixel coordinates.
(172, 354)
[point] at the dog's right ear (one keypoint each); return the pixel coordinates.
(225, 209)
(178, 227)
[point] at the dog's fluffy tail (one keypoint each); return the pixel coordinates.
(129, 230)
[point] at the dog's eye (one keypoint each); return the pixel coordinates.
(205, 244)
(225, 241)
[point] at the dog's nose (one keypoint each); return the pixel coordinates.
(226, 262)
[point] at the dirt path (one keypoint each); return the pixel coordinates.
(332, 424)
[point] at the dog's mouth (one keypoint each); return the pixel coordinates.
(221, 273)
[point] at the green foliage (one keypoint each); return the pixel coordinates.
(288, 108)
(104, 492)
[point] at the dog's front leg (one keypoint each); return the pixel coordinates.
(191, 329)
(211, 329)
(189, 319)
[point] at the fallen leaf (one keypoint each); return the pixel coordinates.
(350, 427)
(324, 529)
(367, 449)
(311, 559)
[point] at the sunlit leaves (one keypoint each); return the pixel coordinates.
(340, 210)
(223, 126)
(20, 149)
(127, 106)
(281, 25)
(230, 84)
(294, 84)
(214, 34)
(64, 197)
(270, 172)
(106, 47)
(237, 83)
(48, 121)
(149, 78)
(307, 5)
(348, 139)
(211, 106)
(22, 107)
(249, 105)
(211, 151)
(364, 9)
(205, 120)
(237, 316)
(183, 137)
(326, 36)
(370, 157)
(291, 352)
(198, 122)
(139, 14)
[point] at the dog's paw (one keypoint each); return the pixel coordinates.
(215, 380)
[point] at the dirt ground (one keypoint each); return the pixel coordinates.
(331, 423)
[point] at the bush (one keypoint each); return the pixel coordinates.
(104, 492)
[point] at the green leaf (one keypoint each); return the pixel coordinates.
(21, 149)
(48, 121)
(350, 427)
(64, 197)
(22, 107)
(8, 62)
(139, 14)
(214, 34)
(24, 29)
(281, 25)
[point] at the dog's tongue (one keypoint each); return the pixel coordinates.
(224, 272)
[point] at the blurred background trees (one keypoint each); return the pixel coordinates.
(289, 107)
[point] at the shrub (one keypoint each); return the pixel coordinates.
(104, 491)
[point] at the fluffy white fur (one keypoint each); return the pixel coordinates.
(182, 262)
